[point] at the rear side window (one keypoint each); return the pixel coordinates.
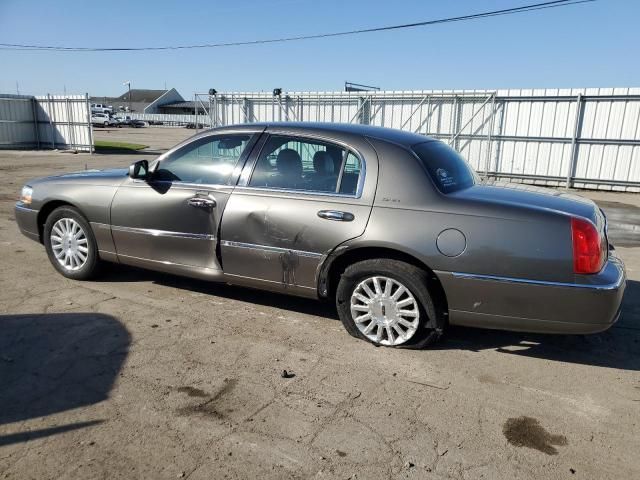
(293, 163)
(449, 171)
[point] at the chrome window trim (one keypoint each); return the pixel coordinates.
(188, 185)
(246, 178)
(607, 286)
(156, 233)
(267, 248)
(296, 192)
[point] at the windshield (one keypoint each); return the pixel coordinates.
(449, 171)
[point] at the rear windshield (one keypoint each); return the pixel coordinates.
(449, 171)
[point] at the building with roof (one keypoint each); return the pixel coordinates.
(181, 108)
(142, 100)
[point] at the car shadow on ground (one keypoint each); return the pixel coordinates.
(618, 347)
(51, 363)
(125, 273)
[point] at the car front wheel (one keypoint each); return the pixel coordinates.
(386, 302)
(70, 244)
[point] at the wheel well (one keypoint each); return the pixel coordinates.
(44, 213)
(340, 264)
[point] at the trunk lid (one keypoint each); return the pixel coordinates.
(528, 196)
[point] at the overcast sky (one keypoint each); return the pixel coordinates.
(589, 45)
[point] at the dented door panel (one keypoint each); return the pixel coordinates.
(280, 238)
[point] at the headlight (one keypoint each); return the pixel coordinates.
(25, 195)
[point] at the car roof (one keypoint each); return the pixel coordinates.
(400, 137)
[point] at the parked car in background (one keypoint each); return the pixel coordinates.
(100, 108)
(100, 119)
(123, 121)
(194, 125)
(392, 226)
(138, 123)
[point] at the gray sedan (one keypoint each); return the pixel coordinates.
(394, 227)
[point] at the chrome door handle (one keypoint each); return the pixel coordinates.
(202, 202)
(336, 215)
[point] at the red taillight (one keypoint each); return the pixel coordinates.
(588, 253)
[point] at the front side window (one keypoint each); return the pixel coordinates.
(448, 170)
(293, 163)
(208, 161)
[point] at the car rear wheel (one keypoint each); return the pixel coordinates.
(386, 302)
(70, 244)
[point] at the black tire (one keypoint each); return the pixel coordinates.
(430, 326)
(91, 264)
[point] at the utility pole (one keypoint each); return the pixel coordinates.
(128, 84)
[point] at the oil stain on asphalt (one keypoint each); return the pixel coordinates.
(193, 392)
(208, 407)
(527, 432)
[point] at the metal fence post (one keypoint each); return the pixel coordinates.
(195, 101)
(91, 145)
(51, 128)
(212, 120)
(490, 132)
(496, 165)
(36, 125)
(573, 159)
(245, 109)
(70, 125)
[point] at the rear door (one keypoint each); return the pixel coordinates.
(297, 199)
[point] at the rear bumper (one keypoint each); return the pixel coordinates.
(27, 220)
(536, 306)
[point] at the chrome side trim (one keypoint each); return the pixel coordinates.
(252, 246)
(156, 233)
(162, 262)
(607, 286)
(25, 209)
(286, 285)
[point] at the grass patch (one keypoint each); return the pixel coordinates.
(109, 146)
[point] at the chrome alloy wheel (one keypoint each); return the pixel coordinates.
(69, 244)
(384, 311)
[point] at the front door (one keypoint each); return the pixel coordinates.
(170, 221)
(299, 199)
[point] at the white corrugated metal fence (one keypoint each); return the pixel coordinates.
(585, 138)
(50, 121)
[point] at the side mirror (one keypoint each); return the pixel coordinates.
(139, 169)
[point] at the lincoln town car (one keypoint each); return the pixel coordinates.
(394, 227)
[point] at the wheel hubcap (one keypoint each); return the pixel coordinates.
(384, 310)
(69, 244)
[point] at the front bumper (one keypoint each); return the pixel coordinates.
(536, 306)
(27, 220)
